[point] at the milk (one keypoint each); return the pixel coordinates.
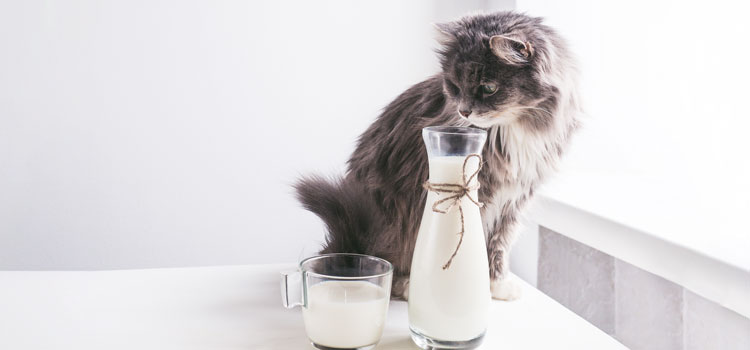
(345, 314)
(452, 304)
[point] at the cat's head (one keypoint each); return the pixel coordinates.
(498, 67)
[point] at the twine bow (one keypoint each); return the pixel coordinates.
(457, 192)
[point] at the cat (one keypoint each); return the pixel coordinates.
(504, 72)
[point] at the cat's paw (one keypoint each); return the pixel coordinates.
(506, 289)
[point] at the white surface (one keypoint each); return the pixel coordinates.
(673, 214)
(168, 133)
(233, 307)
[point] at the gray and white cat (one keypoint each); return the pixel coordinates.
(505, 72)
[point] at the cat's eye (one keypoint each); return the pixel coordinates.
(489, 89)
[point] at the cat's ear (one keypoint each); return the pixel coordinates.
(444, 32)
(514, 50)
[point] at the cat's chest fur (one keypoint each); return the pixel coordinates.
(515, 162)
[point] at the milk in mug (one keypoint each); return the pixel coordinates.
(345, 314)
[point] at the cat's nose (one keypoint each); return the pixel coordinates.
(464, 112)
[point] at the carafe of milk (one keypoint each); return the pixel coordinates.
(449, 287)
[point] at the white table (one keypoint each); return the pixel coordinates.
(228, 307)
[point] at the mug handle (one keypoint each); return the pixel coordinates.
(291, 289)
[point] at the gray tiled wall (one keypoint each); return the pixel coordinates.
(640, 309)
(648, 309)
(562, 265)
(710, 326)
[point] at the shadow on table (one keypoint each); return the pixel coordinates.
(404, 343)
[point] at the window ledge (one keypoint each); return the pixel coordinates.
(656, 226)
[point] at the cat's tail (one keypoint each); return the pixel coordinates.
(349, 213)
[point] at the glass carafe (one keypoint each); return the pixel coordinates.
(449, 287)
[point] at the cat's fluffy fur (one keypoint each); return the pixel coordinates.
(376, 208)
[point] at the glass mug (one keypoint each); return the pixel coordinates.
(344, 299)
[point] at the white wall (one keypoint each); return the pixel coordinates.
(167, 133)
(664, 89)
(664, 85)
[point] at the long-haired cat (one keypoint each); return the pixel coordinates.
(505, 72)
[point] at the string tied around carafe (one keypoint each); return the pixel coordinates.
(457, 192)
